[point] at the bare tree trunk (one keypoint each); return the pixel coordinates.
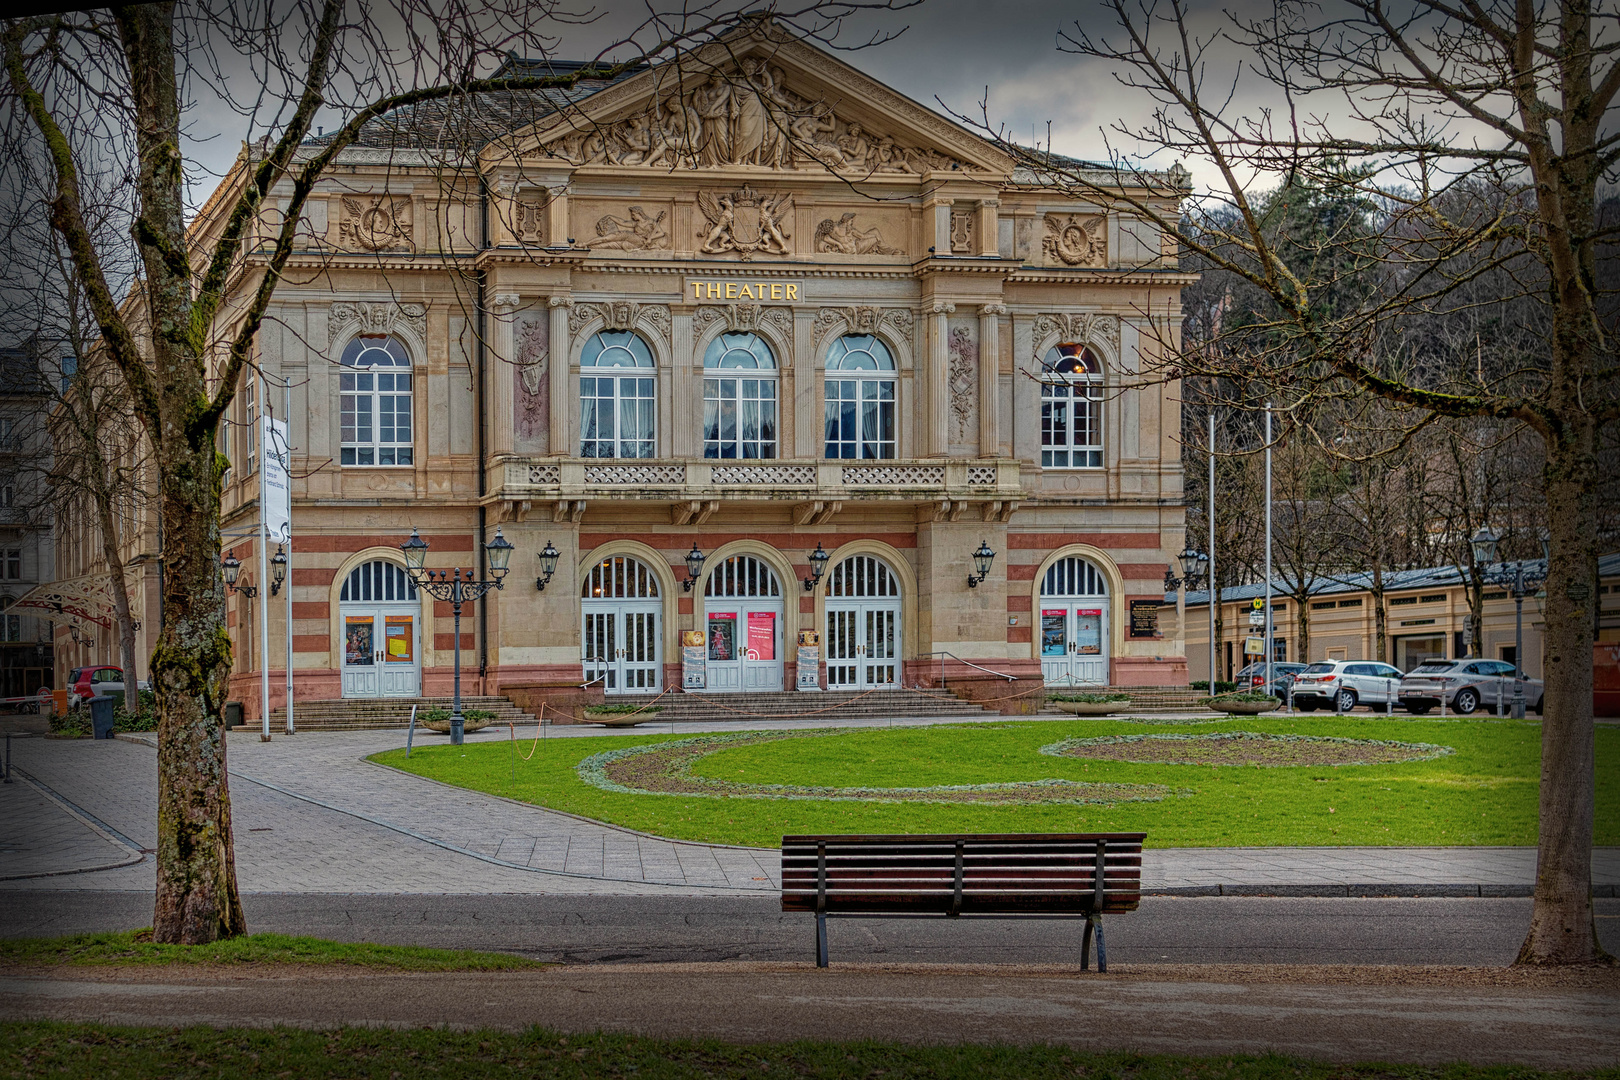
(120, 591)
(1380, 615)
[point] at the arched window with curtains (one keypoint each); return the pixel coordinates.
(739, 398)
(375, 406)
(860, 399)
(617, 397)
(1071, 408)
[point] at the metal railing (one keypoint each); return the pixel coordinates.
(941, 653)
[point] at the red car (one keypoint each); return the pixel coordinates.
(87, 682)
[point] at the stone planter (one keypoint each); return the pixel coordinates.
(619, 719)
(443, 726)
(1244, 708)
(1090, 708)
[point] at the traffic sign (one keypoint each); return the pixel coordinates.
(1257, 618)
(1259, 604)
(1254, 646)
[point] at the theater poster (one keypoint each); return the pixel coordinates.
(1088, 631)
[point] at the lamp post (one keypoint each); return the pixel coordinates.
(548, 566)
(458, 587)
(232, 568)
(694, 568)
(981, 562)
(278, 570)
(1520, 582)
(1193, 564)
(818, 566)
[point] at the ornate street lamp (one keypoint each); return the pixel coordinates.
(1484, 545)
(458, 587)
(278, 569)
(548, 566)
(981, 562)
(232, 567)
(694, 568)
(818, 566)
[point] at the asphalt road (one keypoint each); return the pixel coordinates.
(636, 929)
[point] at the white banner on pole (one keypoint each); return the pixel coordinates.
(277, 490)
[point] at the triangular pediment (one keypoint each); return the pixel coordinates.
(762, 100)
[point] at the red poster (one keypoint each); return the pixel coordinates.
(1054, 611)
(761, 635)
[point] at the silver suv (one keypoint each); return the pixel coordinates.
(1344, 684)
(1464, 685)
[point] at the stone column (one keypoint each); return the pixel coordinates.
(936, 381)
(686, 389)
(502, 351)
(990, 378)
(562, 402)
(989, 230)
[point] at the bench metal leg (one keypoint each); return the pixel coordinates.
(1093, 922)
(821, 939)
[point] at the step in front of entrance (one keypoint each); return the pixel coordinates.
(707, 707)
(349, 714)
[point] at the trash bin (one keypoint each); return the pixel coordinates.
(233, 714)
(101, 716)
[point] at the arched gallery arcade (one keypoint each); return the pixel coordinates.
(652, 329)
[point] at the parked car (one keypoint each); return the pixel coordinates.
(1464, 685)
(1253, 677)
(102, 679)
(1344, 684)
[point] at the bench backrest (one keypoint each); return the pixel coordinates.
(963, 873)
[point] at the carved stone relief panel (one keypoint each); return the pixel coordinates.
(862, 319)
(847, 237)
(745, 221)
(1089, 328)
(961, 232)
(614, 226)
(376, 223)
(746, 116)
(529, 218)
(1076, 240)
(623, 315)
(963, 384)
(745, 318)
(531, 390)
(379, 317)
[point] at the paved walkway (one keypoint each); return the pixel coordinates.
(311, 816)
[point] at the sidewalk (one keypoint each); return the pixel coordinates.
(312, 816)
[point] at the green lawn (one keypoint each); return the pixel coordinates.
(137, 947)
(1483, 793)
(96, 1050)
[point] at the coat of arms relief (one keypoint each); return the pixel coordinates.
(745, 221)
(745, 117)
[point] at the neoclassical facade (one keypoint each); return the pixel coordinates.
(750, 315)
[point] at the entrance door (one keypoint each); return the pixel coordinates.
(382, 633)
(862, 639)
(743, 613)
(1074, 625)
(622, 627)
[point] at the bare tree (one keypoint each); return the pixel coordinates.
(107, 92)
(1417, 108)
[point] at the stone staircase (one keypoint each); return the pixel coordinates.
(709, 707)
(1147, 699)
(362, 714)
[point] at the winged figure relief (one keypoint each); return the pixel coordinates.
(639, 232)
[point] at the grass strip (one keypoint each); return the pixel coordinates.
(136, 947)
(62, 1049)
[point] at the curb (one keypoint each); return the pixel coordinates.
(1599, 891)
(88, 820)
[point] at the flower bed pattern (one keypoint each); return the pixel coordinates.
(665, 769)
(1245, 748)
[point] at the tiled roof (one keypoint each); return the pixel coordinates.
(1431, 577)
(465, 123)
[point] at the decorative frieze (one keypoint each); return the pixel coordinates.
(638, 232)
(844, 237)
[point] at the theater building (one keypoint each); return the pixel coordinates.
(747, 315)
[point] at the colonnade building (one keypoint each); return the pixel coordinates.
(747, 313)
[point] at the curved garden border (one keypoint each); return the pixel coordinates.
(1418, 751)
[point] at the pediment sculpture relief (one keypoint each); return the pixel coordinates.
(745, 221)
(1076, 240)
(746, 117)
(639, 232)
(375, 224)
(844, 237)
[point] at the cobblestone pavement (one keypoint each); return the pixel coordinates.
(311, 816)
(38, 836)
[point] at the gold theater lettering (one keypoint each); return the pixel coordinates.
(745, 290)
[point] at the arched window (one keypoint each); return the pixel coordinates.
(376, 402)
(1074, 576)
(860, 399)
(619, 577)
(378, 581)
(742, 575)
(1071, 408)
(616, 397)
(739, 398)
(862, 576)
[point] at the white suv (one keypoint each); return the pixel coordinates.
(1344, 684)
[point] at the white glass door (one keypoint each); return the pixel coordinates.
(1074, 643)
(745, 644)
(622, 648)
(361, 664)
(863, 645)
(381, 652)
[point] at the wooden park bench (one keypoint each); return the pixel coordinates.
(1012, 875)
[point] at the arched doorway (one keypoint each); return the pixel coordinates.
(743, 613)
(863, 625)
(382, 632)
(621, 628)
(1074, 624)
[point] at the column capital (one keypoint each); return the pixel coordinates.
(992, 309)
(942, 307)
(505, 303)
(561, 301)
